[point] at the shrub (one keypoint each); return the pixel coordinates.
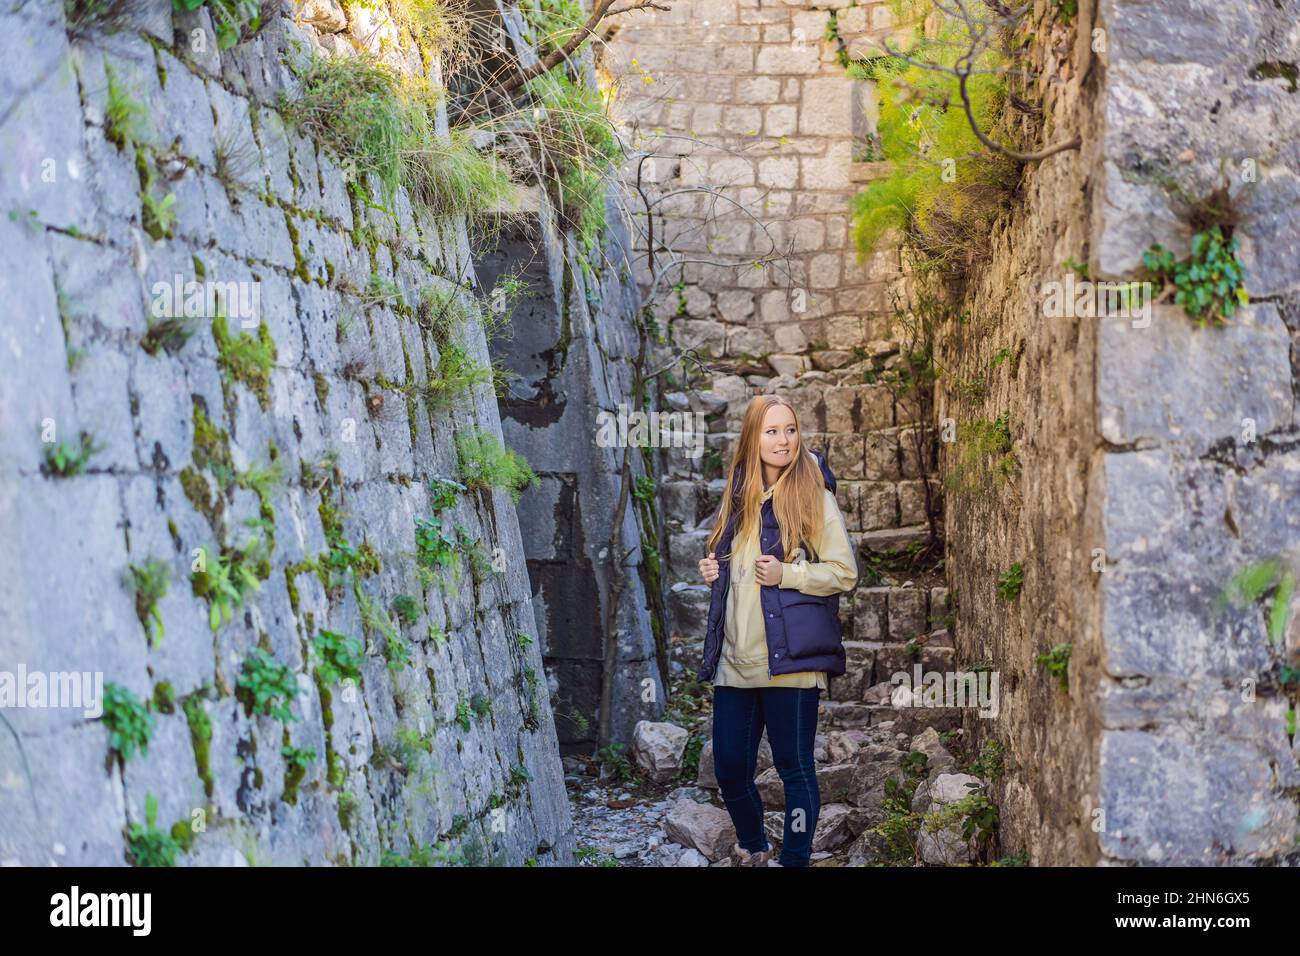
(920, 126)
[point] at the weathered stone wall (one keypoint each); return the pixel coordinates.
(749, 97)
(1140, 490)
(572, 348)
(403, 761)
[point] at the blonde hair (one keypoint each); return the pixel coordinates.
(797, 493)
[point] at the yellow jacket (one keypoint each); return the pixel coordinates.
(743, 662)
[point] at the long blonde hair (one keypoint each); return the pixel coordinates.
(797, 493)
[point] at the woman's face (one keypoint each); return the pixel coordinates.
(778, 440)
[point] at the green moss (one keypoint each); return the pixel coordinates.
(322, 388)
(164, 698)
(300, 261)
(200, 496)
(246, 359)
(201, 736)
(212, 447)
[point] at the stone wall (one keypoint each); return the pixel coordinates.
(454, 747)
(1140, 490)
(749, 97)
(572, 349)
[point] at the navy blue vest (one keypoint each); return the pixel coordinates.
(802, 630)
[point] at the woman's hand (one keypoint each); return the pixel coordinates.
(767, 570)
(709, 568)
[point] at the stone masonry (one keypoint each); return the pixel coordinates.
(402, 761)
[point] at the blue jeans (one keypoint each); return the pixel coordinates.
(790, 715)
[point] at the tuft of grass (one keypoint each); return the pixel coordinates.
(983, 455)
(245, 358)
(125, 118)
(379, 123)
(578, 147)
(484, 463)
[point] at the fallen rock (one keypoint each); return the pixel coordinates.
(657, 748)
(702, 826)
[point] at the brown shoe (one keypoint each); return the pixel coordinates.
(742, 857)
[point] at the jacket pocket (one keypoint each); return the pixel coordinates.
(810, 628)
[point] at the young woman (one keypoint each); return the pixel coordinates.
(773, 633)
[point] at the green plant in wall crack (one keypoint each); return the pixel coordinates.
(66, 461)
(146, 845)
(246, 358)
(148, 584)
(339, 657)
(126, 120)
(1276, 576)
(1057, 662)
(406, 609)
(297, 760)
(1010, 582)
(130, 725)
(1207, 284)
(983, 456)
(233, 19)
(159, 219)
(266, 686)
(435, 548)
(485, 463)
(379, 123)
(225, 579)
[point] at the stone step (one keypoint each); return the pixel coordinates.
(891, 539)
